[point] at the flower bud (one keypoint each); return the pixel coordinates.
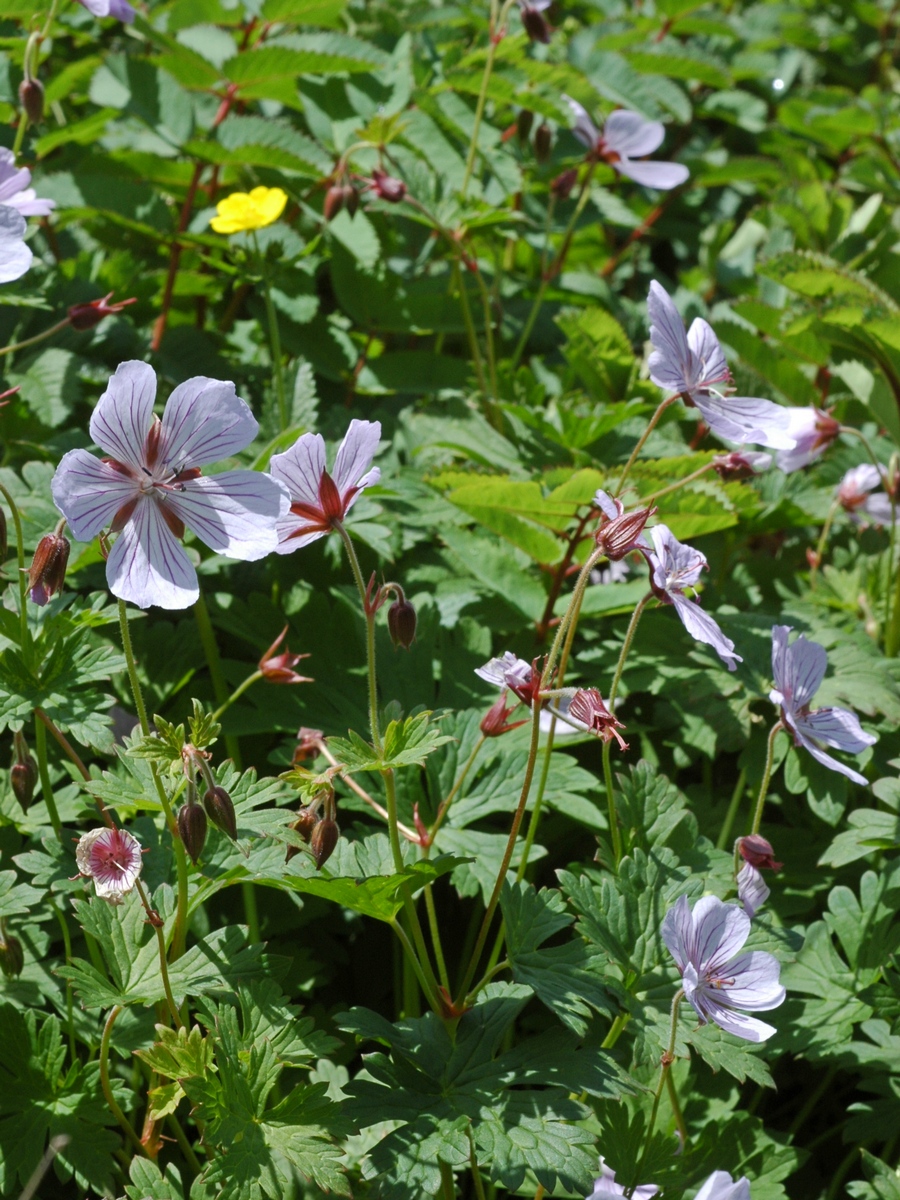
(402, 623)
(740, 464)
(562, 185)
(543, 142)
(386, 187)
(536, 25)
(496, 720)
(220, 810)
(23, 777)
(192, 829)
(524, 122)
(755, 850)
(307, 819)
(48, 568)
(351, 199)
(89, 314)
(12, 957)
(308, 744)
(334, 202)
(31, 97)
(323, 840)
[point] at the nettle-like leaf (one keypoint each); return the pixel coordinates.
(176, 1053)
(40, 1100)
(405, 743)
(446, 1090)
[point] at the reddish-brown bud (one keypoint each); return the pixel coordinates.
(12, 957)
(31, 97)
(220, 810)
(23, 777)
(89, 315)
(562, 185)
(402, 623)
(48, 568)
(813, 558)
(351, 199)
(755, 850)
(323, 840)
(496, 720)
(192, 829)
(334, 202)
(588, 707)
(536, 25)
(543, 142)
(386, 187)
(618, 537)
(524, 122)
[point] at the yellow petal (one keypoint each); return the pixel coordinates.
(269, 204)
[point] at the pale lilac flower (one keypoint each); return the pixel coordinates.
(720, 1186)
(675, 567)
(589, 709)
(112, 858)
(813, 431)
(625, 138)
(15, 256)
(717, 980)
(798, 671)
(606, 1188)
(855, 494)
(751, 889)
(692, 364)
(522, 678)
(319, 500)
(14, 189)
(121, 10)
(150, 487)
(613, 572)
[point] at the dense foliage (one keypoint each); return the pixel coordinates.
(430, 945)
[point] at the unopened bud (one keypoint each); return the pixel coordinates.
(758, 852)
(536, 25)
(323, 840)
(562, 185)
(192, 829)
(351, 199)
(386, 187)
(220, 810)
(402, 623)
(334, 202)
(31, 97)
(524, 122)
(23, 777)
(308, 744)
(543, 142)
(89, 314)
(496, 720)
(48, 568)
(307, 819)
(813, 558)
(12, 957)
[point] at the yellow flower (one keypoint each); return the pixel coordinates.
(253, 210)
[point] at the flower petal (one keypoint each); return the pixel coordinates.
(148, 566)
(677, 931)
(661, 175)
(499, 670)
(204, 421)
(679, 565)
(584, 128)
(835, 727)
(669, 363)
(89, 493)
(744, 419)
(701, 626)
(301, 468)
(234, 513)
(720, 1186)
(719, 932)
(354, 457)
(756, 985)
(122, 418)
(15, 256)
(798, 670)
(630, 135)
(752, 889)
(751, 1029)
(707, 355)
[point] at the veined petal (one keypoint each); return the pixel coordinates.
(288, 538)
(15, 256)
(752, 889)
(827, 761)
(148, 566)
(679, 565)
(121, 421)
(584, 128)
(720, 1186)
(370, 478)
(878, 509)
(662, 175)
(708, 359)
(719, 932)
(677, 931)
(630, 135)
(29, 204)
(235, 513)
(756, 984)
(204, 421)
(835, 727)
(744, 419)
(701, 626)
(301, 468)
(89, 493)
(751, 1029)
(670, 361)
(355, 454)
(798, 670)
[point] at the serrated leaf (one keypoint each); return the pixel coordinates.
(405, 743)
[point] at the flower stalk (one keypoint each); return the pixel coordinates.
(767, 775)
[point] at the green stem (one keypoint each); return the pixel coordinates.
(531, 832)
(570, 616)
(495, 35)
(236, 694)
(70, 1010)
(488, 331)
(473, 1163)
(667, 1059)
(185, 1146)
(733, 806)
(23, 578)
(460, 780)
(436, 937)
(892, 641)
(507, 855)
(20, 133)
(615, 833)
(615, 1031)
(40, 749)
(676, 1110)
(216, 674)
(38, 337)
(626, 646)
(427, 989)
(470, 331)
(370, 636)
(107, 1089)
(646, 501)
(275, 339)
(448, 1187)
(767, 775)
(153, 920)
(820, 545)
(651, 425)
(888, 624)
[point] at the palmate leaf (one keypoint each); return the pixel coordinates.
(16, 897)
(405, 743)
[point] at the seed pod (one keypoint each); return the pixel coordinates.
(543, 142)
(12, 957)
(323, 841)
(220, 810)
(307, 819)
(334, 202)
(23, 777)
(402, 623)
(31, 97)
(192, 829)
(524, 122)
(536, 25)
(48, 568)
(386, 187)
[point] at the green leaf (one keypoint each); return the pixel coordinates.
(15, 897)
(309, 54)
(148, 1182)
(405, 743)
(50, 384)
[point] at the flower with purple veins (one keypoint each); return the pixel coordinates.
(149, 488)
(120, 10)
(15, 256)
(627, 137)
(692, 364)
(507, 671)
(112, 858)
(673, 568)
(720, 1186)
(855, 494)
(318, 499)
(751, 889)
(717, 980)
(606, 1188)
(813, 431)
(15, 191)
(798, 670)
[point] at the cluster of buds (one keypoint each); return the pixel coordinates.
(342, 193)
(23, 774)
(216, 806)
(47, 572)
(316, 825)
(12, 957)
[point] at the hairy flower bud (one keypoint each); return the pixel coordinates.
(89, 314)
(48, 568)
(543, 142)
(755, 850)
(323, 840)
(562, 185)
(12, 957)
(386, 187)
(351, 199)
(334, 202)
(620, 532)
(220, 810)
(307, 819)
(402, 623)
(192, 829)
(524, 122)
(31, 97)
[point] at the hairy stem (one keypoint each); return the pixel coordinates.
(107, 1089)
(448, 799)
(216, 674)
(153, 920)
(370, 635)
(733, 806)
(667, 1059)
(40, 750)
(767, 775)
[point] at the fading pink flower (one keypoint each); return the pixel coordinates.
(588, 707)
(112, 858)
(627, 137)
(15, 191)
(318, 499)
(813, 431)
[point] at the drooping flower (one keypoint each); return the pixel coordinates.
(496, 722)
(112, 858)
(720, 1186)
(279, 668)
(320, 499)
(798, 670)
(606, 1188)
(856, 494)
(506, 671)
(812, 431)
(242, 211)
(149, 488)
(15, 191)
(48, 568)
(717, 980)
(675, 567)
(121, 10)
(620, 533)
(627, 137)
(751, 889)
(693, 365)
(741, 464)
(15, 256)
(533, 20)
(588, 707)
(757, 851)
